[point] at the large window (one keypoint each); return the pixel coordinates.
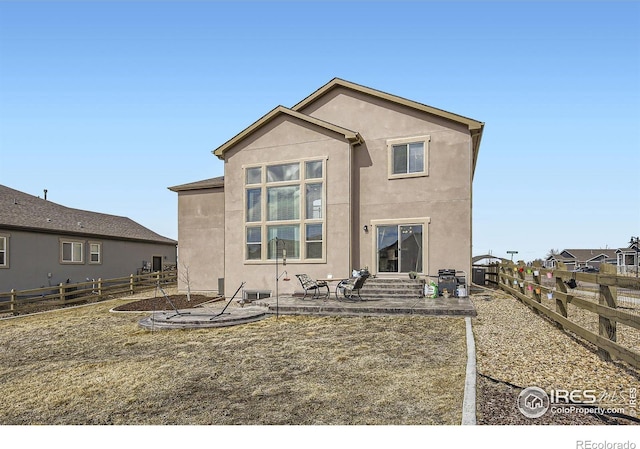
(408, 157)
(4, 251)
(72, 252)
(285, 202)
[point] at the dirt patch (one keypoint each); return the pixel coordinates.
(161, 303)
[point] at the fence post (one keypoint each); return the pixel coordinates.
(100, 288)
(63, 296)
(14, 296)
(520, 271)
(608, 296)
(561, 305)
(537, 289)
(131, 284)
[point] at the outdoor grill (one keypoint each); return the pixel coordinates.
(447, 279)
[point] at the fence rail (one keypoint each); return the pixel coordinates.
(28, 301)
(601, 308)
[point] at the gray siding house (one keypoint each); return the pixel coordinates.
(44, 244)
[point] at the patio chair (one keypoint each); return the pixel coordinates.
(309, 284)
(349, 288)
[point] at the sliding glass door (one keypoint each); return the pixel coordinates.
(399, 248)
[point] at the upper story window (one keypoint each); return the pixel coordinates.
(408, 157)
(95, 252)
(72, 252)
(4, 251)
(285, 202)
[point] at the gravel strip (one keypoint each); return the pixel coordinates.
(516, 348)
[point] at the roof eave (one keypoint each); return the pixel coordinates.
(352, 136)
(63, 232)
(469, 122)
(215, 183)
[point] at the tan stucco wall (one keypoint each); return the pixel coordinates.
(288, 139)
(201, 239)
(444, 196)
(358, 193)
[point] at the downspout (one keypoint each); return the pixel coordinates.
(473, 159)
(471, 172)
(352, 233)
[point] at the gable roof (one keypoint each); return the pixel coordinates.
(349, 135)
(337, 82)
(199, 185)
(19, 210)
(475, 127)
(583, 255)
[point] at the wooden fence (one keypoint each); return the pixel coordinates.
(27, 301)
(601, 308)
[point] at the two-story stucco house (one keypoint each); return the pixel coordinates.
(350, 177)
(44, 244)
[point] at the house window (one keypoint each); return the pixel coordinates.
(72, 252)
(95, 252)
(408, 157)
(254, 243)
(4, 251)
(314, 240)
(254, 204)
(285, 201)
(289, 235)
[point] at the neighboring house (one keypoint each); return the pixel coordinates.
(629, 259)
(44, 244)
(348, 178)
(579, 258)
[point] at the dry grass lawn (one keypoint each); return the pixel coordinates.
(90, 366)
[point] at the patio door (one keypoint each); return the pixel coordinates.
(399, 248)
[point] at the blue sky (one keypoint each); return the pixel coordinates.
(106, 104)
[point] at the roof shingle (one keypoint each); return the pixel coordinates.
(23, 211)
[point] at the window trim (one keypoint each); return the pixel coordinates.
(72, 242)
(424, 140)
(6, 238)
(302, 221)
(99, 262)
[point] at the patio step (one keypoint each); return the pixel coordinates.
(384, 288)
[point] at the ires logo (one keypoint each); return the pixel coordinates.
(573, 396)
(534, 402)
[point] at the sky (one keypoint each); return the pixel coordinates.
(106, 104)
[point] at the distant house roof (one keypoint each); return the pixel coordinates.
(583, 255)
(632, 248)
(19, 210)
(347, 134)
(199, 185)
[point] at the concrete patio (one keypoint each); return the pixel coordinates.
(210, 315)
